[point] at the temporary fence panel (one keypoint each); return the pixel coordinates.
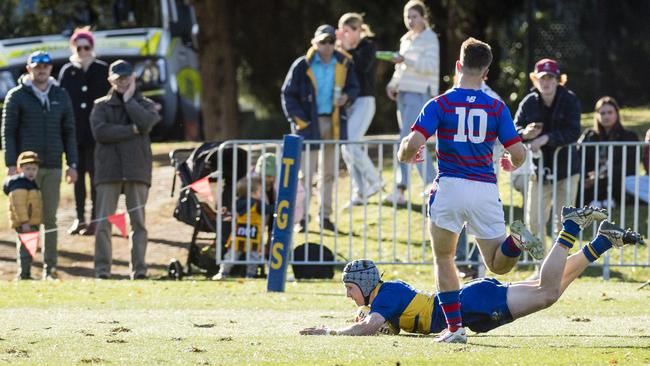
(395, 233)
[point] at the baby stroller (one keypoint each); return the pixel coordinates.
(191, 165)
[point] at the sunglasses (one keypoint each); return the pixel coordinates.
(40, 59)
(329, 41)
(85, 48)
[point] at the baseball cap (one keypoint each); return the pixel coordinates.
(323, 32)
(120, 68)
(27, 157)
(83, 34)
(546, 66)
(268, 162)
(363, 273)
(39, 57)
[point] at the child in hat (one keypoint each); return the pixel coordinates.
(24, 206)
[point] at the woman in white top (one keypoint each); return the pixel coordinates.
(414, 82)
(354, 37)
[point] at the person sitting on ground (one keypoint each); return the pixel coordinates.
(638, 184)
(485, 303)
(247, 234)
(608, 127)
(24, 207)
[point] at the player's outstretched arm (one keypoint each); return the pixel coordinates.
(369, 326)
(409, 146)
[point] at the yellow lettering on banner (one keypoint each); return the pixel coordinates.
(287, 162)
(276, 263)
(282, 218)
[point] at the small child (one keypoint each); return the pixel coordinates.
(242, 231)
(24, 207)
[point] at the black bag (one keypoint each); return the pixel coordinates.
(313, 271)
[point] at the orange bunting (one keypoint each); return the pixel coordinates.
(119, 220)
(30, 241)
(202, 187)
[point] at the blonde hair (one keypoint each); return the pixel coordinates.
(418, 6)
(242, 186)
(355, 21)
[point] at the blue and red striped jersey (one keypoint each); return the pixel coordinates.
(466, 123)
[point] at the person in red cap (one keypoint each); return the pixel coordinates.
(85, 78)
(547, 119)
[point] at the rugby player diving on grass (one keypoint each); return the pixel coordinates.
(485, 302)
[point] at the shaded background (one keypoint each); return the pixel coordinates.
(246, 48)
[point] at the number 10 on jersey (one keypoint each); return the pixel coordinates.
(463, 117)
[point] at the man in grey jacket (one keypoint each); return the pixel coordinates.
(121, 122)
(38, 116)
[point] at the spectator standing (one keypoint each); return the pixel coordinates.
(24, 207)
(314, 94)
(414, 82)
(549, 118)
(38, 116)
(355, 38)
(608, 127)
(85, 78)
(640, 187)
(121, 122)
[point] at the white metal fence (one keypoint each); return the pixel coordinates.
(390, 233)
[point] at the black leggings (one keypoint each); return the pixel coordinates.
(86, 164)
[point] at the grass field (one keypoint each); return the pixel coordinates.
(208, 323)
(84, 321)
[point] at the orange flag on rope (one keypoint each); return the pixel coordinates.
(119, 220)
(202, 187)
(30, 241)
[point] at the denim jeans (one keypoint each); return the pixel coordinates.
(409, 106)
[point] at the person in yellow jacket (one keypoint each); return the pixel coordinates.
(247, 233)
(24, 206)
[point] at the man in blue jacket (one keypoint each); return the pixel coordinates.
(315, 91)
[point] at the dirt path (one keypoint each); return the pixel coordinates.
(168, 238)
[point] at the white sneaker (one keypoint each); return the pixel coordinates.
(356, 200)
(219, 276)
(374, 189)
(459, 336)
(525, 240)
(397, 197)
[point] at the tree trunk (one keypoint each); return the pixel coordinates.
(218, 69)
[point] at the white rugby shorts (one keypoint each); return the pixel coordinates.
(456, 202)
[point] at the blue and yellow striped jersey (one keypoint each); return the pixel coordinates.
(407, 308)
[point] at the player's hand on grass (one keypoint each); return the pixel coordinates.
(314, 331)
